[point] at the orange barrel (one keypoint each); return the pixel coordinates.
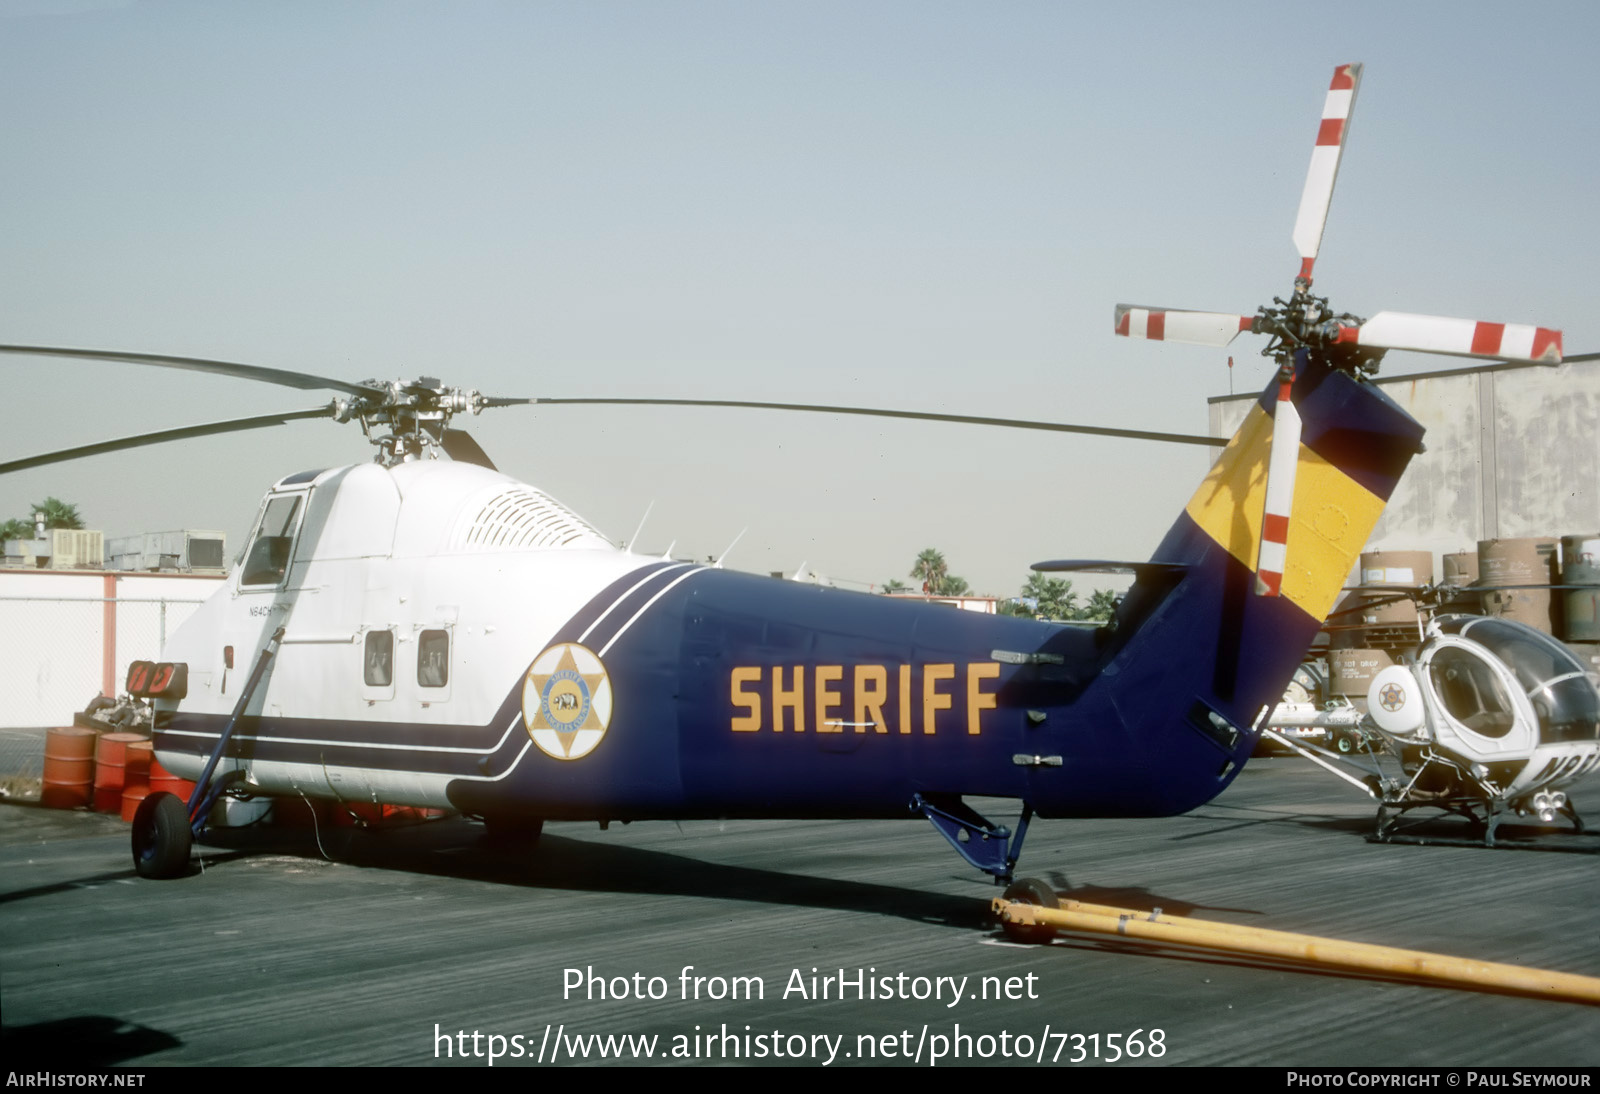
(140, 755)
(133, 795)
(1461, 570)
(68, 767)
(1503, 563)
(1350, 673)
(1394, 572)
(110, 770)
(162, 779)
(1580, 565)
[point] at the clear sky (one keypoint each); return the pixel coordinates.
(915, 205)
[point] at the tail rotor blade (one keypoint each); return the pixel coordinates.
(1324, 170)
(1196, 328)
(1458, 337)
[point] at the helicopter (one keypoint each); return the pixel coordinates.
(1489, 718)
(424, 630)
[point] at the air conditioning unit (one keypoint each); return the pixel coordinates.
(190, 551)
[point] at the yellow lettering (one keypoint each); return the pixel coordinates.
(869, 700)
(932, 698)
(826, 700)
(977, 699)
(794, 699)
(905, 698)
(750, 722)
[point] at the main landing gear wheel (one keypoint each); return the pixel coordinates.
(161, 836)
(1030, 890)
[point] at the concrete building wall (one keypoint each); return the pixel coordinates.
(1513, 450)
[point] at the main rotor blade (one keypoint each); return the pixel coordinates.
(927, 416)
(1196, 328)
(303, 380)
(234, 426)
(1324, 170)
(1457, 337)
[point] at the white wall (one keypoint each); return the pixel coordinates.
(52, 635)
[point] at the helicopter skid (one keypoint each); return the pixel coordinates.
(1486, 818)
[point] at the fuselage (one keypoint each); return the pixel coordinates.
(454, 638)
(724, 693)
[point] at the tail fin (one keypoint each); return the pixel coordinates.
(1194, 646)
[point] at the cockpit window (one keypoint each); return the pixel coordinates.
(267, 561)
(1562, 693)
(1469, 690)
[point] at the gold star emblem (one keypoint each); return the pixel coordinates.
(566, 701)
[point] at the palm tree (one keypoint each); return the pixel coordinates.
(1102, 605)
(58, 514)
(930, 569)
(1052, 596)
(895, 585)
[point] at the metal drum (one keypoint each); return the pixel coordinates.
(1580, 565)
(1394, 572)
(1506, 563)
(68, 767)
(1460, 571)
(111, 758)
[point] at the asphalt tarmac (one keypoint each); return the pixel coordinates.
(822, 943)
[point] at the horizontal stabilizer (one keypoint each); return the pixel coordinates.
(1101, 566)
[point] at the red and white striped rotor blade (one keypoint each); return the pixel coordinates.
(1198, 328)
(1331, 136)
(1281, 465)
(1460, 337)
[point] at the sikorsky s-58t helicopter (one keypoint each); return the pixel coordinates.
(425, 630)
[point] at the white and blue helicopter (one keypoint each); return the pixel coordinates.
(425, 630)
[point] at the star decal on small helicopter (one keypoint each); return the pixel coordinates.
(566, 701)
(1392, 697)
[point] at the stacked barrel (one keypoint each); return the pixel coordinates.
(108, 772)
(1514, 575)
(1508, 578)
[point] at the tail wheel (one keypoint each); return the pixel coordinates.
(1031, 890)
(161, 836)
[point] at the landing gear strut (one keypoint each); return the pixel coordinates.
(165, 827)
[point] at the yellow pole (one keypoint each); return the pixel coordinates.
(1154, 927)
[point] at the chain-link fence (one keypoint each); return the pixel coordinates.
(57, 653)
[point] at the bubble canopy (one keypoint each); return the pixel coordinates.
(1562, 691)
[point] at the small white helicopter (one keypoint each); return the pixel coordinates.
(1489, 718)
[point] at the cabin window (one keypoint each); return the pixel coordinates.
(379, 659)
(267, 561)
(433, 659)
(1469, 690)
